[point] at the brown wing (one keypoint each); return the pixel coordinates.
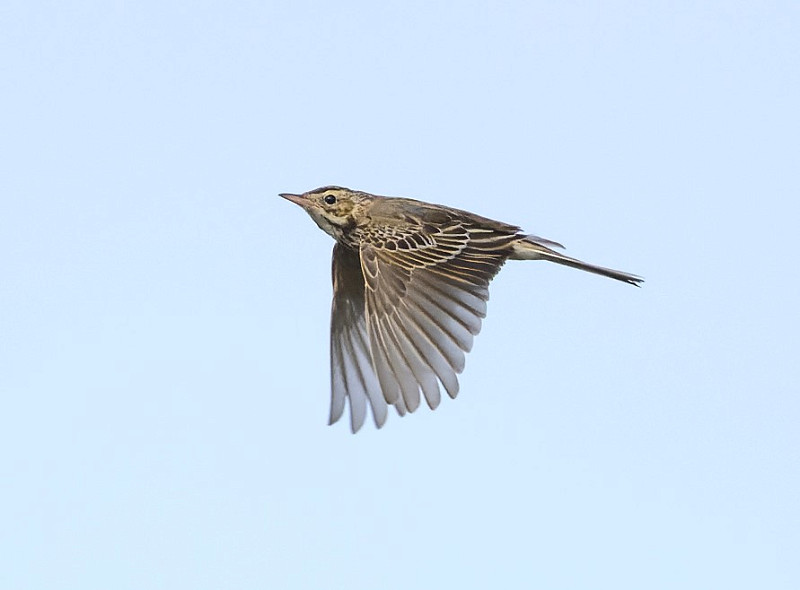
(352, 373)
(426, 293)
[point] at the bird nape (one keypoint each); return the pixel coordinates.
(410, 286)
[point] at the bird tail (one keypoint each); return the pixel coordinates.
(536, 248)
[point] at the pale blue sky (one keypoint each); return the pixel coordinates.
(164, 315)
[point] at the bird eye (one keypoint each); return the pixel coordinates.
(329, 199)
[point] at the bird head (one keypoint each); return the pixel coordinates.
(333, 208)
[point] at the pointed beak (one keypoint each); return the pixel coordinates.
(296, 199)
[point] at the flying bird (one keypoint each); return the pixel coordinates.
(410, 286)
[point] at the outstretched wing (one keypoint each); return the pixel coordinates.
(426, 289)
(352, 373)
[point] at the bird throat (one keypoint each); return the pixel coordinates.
(338, 232)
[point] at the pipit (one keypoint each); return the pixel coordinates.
(410, 286)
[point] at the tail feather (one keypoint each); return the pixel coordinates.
(535, 248)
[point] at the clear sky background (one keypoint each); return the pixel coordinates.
(164, 315)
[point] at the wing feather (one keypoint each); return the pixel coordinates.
(353, 377)
(425, 296)
(406, 308)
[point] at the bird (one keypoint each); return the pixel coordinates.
(410, 288)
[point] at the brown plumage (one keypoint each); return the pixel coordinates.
(410, 286)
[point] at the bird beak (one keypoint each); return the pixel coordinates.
(296, 199)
